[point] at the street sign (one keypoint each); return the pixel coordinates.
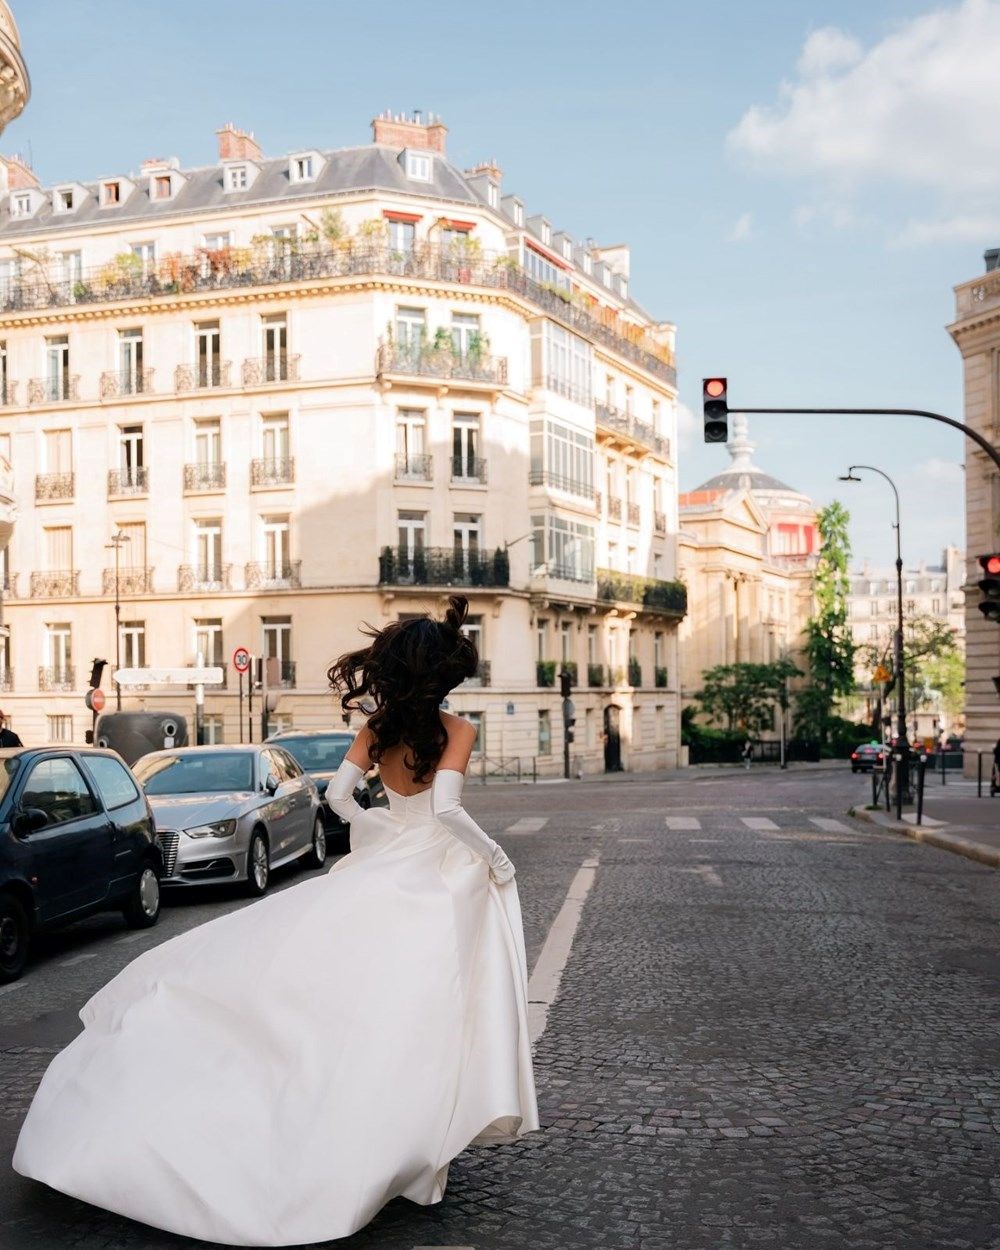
(213, 676)
(881, 674)
(95, 700)
(241, 659)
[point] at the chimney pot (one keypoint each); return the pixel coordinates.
(238, 145)
(398, 131)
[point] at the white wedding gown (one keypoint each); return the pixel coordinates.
(277, 1075)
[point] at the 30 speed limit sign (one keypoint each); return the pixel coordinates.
(241, 659)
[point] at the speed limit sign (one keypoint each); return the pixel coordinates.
(241, 659)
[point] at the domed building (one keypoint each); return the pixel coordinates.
(747, 549)
(15, 86)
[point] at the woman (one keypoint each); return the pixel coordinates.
(277, 1075)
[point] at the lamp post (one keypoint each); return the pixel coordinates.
(118, 540)
(902, 743)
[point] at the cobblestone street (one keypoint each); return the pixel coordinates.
(776, 1027)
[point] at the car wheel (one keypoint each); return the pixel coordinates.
(142, 907)
(258, 865)
(315, 857)
(14, 937)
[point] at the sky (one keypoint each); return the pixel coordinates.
(802, 183)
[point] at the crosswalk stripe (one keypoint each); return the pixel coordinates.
(708, 874)
(828, 825)
(131, 937)
(758, 822)
(678, 823)
(528, 824)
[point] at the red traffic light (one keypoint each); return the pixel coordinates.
(715, 388)
(990, 564)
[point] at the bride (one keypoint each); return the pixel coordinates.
(275, 1076)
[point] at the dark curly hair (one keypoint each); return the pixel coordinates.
(406, 672)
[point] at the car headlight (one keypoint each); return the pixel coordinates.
(214, 829)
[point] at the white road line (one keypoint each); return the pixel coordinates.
(543, 985)
(528, 824)
(14, 985)
(705, 841)
(708, 874)
(679, 823)
(635, 839)
(758, 823)
(77, 959)
(828, 825)
(130, 937)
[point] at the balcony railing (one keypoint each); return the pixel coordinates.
(8, 393)
(443, 566)
(481, 676)
(614, 508)
(610, 418)
(267, 575)
(62, 584)
(660, 676)
(418, 468)
(426, 361)
(653, 594)
(569, 390)
(205, 375)
(114, 385)
(595, 675)
(564, 572)
(131, 581)
(194, 577)
(129, 481)
(470, 471)
(634, 673)
(272, 472)
(659, 522)
(264, 266)
(572, 485)
(286, 674)
(54, 390)
(10, 590)
(277, 367)
(54, 486)
(6, 680)
(632, 513)
(205, 476)
(57, 678)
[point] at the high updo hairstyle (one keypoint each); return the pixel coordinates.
(406, 672)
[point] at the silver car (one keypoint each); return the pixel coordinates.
(231, 813)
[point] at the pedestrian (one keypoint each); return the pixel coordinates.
(333, 1046)
(8, 738)
(747, 754)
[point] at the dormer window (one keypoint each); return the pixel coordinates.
(493, 195)
(161, 187)
(588, 263)
(546, 233)
(302, 169)
(237, 178)
(20, 205)
(518, 214)
(62, 200)
(567, 249)
(111, 193)
(623, 286)
(418, 166)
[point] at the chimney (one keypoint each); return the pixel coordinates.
(238, 145)
(396, 131)
(992, 259)
(18, 173)
(491, 168)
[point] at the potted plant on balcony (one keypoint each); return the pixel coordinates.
(595, 674)
(660, 676)
(634, 673)
(386, 566)
(501, 567)
(545, 672)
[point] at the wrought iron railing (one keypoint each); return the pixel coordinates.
(632, 513)
(6, 680)
(634, 673)
(572, 485)
(286, 673)
(660, 676)
(426, 361)
(207, 476)
(59, 584)
(565, 572)
(204, 375)
(443, 566)
(660, 522)
(595, 675)
(54, 486)
(576, 392)
(481, 677)
(57, 389)
(545, 672)
(614, 508)
(652, 593)
(115, 384)
(56, 678)
(610, 418)
(471, 470)
(275, 367)
(419, 468)
(271, 575)
(8, 393)
(10, 588)
(272, 472)
(131, 581)
(204, 577)
(129, 481)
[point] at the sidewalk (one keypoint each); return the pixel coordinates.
(694, 772)
(965, 825)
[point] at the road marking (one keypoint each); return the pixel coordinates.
(528, 824)
(708, 874)
(543, 985)
(828, 825)
(705, 841)
(131, 937)
(679, 823)
(14, 985)
(77, 959)
(635, 839)
(758, 823)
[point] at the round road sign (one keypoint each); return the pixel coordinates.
(95, 699)
(241, 659)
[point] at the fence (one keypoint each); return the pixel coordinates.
(730, 751)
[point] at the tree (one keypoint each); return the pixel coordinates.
(829, 647)
(932, 660)
(744, 695)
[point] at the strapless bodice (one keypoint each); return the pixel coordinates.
(409, 806)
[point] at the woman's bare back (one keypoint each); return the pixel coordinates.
(399, 778)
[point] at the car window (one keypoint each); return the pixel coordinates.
(272, 762)
(196, 772)
(321, 754)
(57, 788)
(114, 785)
(291, 768)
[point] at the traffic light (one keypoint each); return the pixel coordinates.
(568, 725)
(990, 586)
(716, 405)
(565, 682)
(97, 672)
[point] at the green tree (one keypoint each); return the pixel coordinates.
(744, 695)
(829, 647)
(932, 660)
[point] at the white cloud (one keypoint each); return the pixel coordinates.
(960, 228)
(688, 427)
(742, 230)
(828, 49)
(937, 470)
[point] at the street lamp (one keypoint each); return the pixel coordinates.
(117, 542)
(902, 743)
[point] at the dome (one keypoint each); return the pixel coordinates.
(15, 86)
(743, 474)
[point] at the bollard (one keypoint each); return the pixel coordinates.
(979, 774)
(943, 762)
(874, 786)
(921, 770)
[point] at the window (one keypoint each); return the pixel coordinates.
(111, 194)
(419, 166)
(208, 550)
(467, 536)
(146, 253)
(473, 628)
(162, 187)
(660, 724)
(130, 354)
(208, 353)
(59, 548)
(567, 249)
(492, 195)
(274, 438)
(590, 727)
(20, 204)
(57, 379)
(591, 644)
(567, 364)
(544, 731)
(562, 548)
(542, 269)
(465, 335)
(476, 719)
(208, 445)
(133, 550)
(212, 729)
(237, 178)
(62, 200)
(275, 337)
(657, 565)
(411, 330)
(277, 632)
(60, 728)
(518, 214)
(59, 651)
(133, 644)
(542, 638)
(658, 649)
(546, 233)
(208, 642)
(274, 536)
(629, 400)
(5, 638)
(402, 237)
(56, 786)
(465, 463)
(563, 457)
(4, 376)
(279, 722)
(455, 242)
(68, 268)
(936, 606)
(411, 427)
(130, 454)
(633, 560)
(58, 451)
(873, 608)
(302, 168)
(412, 530)
(218, 242)
(114, 785)
(566, 641)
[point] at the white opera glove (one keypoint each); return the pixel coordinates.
(446, 804)
(340, 791)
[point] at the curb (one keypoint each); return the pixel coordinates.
(979, 851)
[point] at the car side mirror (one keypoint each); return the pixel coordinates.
(30, 820)
(271, 783)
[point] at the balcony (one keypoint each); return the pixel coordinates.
(267, 370)
(596, 675)
(201, 578)
(120, 384)
(8, 393)
(205, 477)
(50, 487)
(6, 680)
(126, 483)
(269, 575)
(441, 363)
(286, 673)
(206, 375)
(571, 485)
(59, 389)
(481, 676)
(468, 471)
(660, 677)
(442, 566)
(633, 434)
(576, 394)
(269, 472)
(131, 581)
(634, 673)
(545, 672)
(410, 468)
(632, 513)
(651, 593)
(10, 590)
(63, 584)
(59, 678)
(614, 508)
(659, 522)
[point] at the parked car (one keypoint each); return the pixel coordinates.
(321, 753)
(76, 837)
(231, 813)
(867, 756)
